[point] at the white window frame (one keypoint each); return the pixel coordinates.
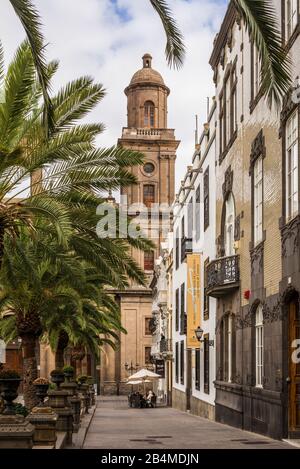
(259, 347)
(291, 17)
(292, 169)
(258, 200)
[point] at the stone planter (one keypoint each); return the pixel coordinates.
(69, 375)
(9, 392)
(58, 379)
(41, 391)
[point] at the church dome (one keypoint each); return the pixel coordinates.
(147, 74)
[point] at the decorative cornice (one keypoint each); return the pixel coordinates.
(222, 37)
(258, 148)
(228, 182)
(288, 106)
(257, 259)
(290, 231)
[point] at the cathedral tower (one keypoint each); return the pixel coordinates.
(146, 132)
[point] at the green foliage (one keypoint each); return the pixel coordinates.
(261, 22)
(82, 379)
(20, 409)
(68, 369)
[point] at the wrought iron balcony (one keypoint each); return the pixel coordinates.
(165, 345)
(223, 276)
(186, 247)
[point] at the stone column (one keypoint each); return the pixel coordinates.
(75, 402)
(59, 402)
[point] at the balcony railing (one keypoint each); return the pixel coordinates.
(186, 247)
(223, 276)
(165, 345)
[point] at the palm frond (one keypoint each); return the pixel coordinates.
(260, 20)
(30, 20)
(175, 49)
(1, 66)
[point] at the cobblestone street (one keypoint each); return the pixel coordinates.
(115, 426)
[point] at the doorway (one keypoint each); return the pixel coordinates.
(294, 370)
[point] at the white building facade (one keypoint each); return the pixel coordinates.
(194, 234)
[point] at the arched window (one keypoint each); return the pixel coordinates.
(149, 260)
(149, 113)
(149, 194)
(259, 346)
(229, 226)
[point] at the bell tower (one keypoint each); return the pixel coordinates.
(146, 132)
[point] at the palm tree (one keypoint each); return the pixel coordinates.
(97, 323)
(61, 297)
(259, 17)
(66, 175)
(30, 288)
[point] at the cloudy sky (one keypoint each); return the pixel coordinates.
(107, 38)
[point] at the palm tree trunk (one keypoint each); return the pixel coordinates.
(62, 344)
(30, 372)
(59, 358)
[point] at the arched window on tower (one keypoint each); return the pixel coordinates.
(149, 194)
(149, 260)
(149, 114)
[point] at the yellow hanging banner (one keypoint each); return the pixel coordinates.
(193, 299)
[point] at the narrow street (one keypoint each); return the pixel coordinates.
(115, 426)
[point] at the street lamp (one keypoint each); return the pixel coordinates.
(199, 334)
(130, 368)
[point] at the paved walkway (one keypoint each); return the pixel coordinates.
(115, 426)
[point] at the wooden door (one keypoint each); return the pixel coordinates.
(294, 369)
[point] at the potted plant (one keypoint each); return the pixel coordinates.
(9, 383)
(57, 377)
(82, 379)
(68, 372)
(41, 386)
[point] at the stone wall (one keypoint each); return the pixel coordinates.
(202, 408)
(179, 400)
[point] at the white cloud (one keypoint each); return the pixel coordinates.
(89, 37)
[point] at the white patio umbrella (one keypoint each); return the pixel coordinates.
(143, 375)
(139, 381)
